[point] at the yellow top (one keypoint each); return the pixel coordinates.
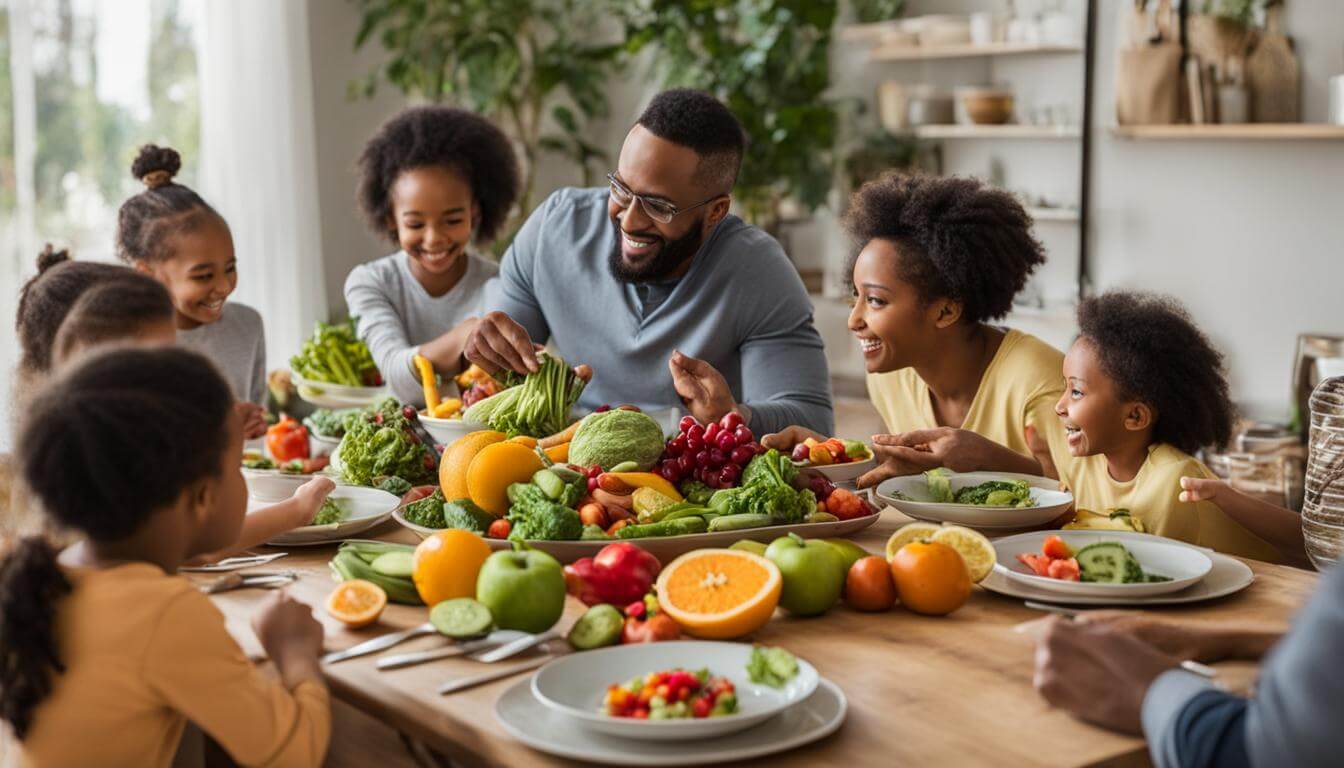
(145, 652)
(1019, 388)
(1153, 496)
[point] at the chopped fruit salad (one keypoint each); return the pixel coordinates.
(833, 450)
(1104, 562)
(674, 693)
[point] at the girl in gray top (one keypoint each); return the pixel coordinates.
(434, 181)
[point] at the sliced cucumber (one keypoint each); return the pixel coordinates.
(461, 617)
(739, 522)
(549, 483)
(1107, 562)
(398, 565)
(600, 626)
(625, 466)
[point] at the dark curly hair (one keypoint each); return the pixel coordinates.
(959, 239)
(453, 138)
(700, 122)
(148, 221)
(112, 440)
(113, 310)
(1152, 350)
(46, 299)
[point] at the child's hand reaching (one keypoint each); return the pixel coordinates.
(291, 637)
(254, 419)
(308, 500)
(1200, 489)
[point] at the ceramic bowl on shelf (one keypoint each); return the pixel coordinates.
(986, 106)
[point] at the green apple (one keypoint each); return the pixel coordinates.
(747, 545)
(849, 551)
(523, 589)
(813, 571)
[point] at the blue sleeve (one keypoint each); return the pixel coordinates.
(1208, 731)
(513, 291)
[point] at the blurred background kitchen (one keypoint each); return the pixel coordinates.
(1193, 150)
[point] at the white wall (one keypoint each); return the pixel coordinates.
(1248, 234)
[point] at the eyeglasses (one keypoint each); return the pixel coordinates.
(658, 210)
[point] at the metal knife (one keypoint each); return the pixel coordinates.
(379, 643)
(463, 683)
(515, 647)
(493, 640)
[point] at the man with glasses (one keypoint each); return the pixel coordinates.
(672, 300)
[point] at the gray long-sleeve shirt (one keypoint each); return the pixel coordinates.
(236, 344)
(741, 307)
(396, 314)
(1293, 718)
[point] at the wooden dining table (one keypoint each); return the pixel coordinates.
(953, 690)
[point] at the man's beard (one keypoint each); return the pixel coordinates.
(671, 255)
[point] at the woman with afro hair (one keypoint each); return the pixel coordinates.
(938, 259)
(435, 181)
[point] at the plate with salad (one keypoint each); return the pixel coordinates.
(1099, 564)
(349, 510)
(334, 368)
(992, 500)
(674, 690)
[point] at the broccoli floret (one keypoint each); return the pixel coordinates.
(427, 512)
(394, 485)
(533, 515)
(696, 492)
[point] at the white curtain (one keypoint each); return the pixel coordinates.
(259, 160)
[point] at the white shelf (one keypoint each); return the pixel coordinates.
(1239, 132)
(1053, 214)
(925, 53)
(1010, 131)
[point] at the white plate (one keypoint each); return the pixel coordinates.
(327, 395)
(575, 685)
(368, 507)
(665, 548)
(318, 445)
(1050, 501)
(1185, 564)
(839, 473)
(1228, 576)
(445, 431)
(530, 722)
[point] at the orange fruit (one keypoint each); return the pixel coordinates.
(931, 578)
(868, 585)
(494, 469)
(446, 565)
(457, 459)
(719, 594)
(530, 442)
(356, 603)
(558, 453)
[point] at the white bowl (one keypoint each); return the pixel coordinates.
(319, 445)
(272, 485)
(368, 507)
(1183, 563)
(1050, 502)
(327, 395)
(839, 473)
(576, 685)
(445, 431)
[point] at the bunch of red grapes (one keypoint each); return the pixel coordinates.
(714, 453)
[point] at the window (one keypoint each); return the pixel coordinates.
(83, 83)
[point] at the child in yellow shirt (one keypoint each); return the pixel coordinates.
(105, 652)
(939, 259)
(1145, 389)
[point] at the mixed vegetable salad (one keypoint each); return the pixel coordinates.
(672, 694)
(380, 442)
(1103, 562)
(994, 493)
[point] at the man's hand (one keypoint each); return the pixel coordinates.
(497, 342)
(701, 387)
(254, 419)
(1097, 671)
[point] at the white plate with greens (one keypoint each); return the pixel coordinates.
(1111, 566)
(997, 492)
(576, 685)
(355, 509)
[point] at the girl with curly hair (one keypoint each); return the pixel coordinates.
(434, 181)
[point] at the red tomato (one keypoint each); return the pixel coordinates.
(1039, 564)
(499, 529)
(1065, 569)
(1055, 548)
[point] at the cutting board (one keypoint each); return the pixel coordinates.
(1272, 74)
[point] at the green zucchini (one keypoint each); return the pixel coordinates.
(739, 522)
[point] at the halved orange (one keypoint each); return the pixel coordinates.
(457, 459)
(719, 594)
(494, 469)
(356, 603)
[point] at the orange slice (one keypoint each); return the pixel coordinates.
(494, 469)
(356, 603)
(719, 594)
(457, 459)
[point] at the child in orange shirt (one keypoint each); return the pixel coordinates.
(105, 652)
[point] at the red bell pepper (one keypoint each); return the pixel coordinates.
(287, 440)
(620, 573)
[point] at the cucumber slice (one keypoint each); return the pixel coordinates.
(398, 565)
(461, 617)
(549, 483)
(600, 626)
(1107, 562)
(625, 466)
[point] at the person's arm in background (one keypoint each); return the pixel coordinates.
(382, 329)
(1281, 528)
(504, 337)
